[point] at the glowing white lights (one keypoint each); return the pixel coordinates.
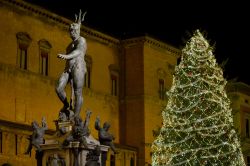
(197, 122)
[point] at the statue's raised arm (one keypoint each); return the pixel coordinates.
(86, 122)
(97, 123)
(44, 123)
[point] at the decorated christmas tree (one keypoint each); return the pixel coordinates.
(197, 121)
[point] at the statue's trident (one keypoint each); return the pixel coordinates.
(80, 18)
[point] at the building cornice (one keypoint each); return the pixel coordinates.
(87, 32)
(60, 21)
(21, 126)
(19, 4)
(151, 42)
(239, 87)
(100, 37)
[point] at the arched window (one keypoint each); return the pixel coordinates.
(23, 42)
(44, 50)
(87, 77)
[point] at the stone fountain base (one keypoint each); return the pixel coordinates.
(54, 154)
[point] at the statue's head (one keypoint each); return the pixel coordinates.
(77, 120)
(106, 126)
(74, 28)
(34, 125)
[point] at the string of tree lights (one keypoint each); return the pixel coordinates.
(197, 121)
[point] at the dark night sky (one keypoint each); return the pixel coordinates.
(227, 24)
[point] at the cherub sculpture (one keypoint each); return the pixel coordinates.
(105, 137)
(37, 137)
(79, 131)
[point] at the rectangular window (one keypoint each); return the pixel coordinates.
(87, 78)
(114, 85)
(22, 57)
(247, 128)
(1, 142)
(248, 160)
(44, 63)
(132, 161)
(16, 144)
(161, 89)
(112, 160)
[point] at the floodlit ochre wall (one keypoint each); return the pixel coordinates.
(146, 61)
(239, 94)
(34, 92)
(134, 102)
(26, 95)
(159, 63)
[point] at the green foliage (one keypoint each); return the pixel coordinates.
(197, 121)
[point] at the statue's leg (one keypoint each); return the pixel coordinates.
(28, 151)
(86, 123)
(72, 94)
(78, 101)
(78, 81)
(37, 146)
(62, 82)
(112, 146)
(83, 142)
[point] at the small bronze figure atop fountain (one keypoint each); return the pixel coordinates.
(37, 136)
(105, 137)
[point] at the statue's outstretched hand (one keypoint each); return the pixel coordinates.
(89, 112)
(62, 56)
(97, 123)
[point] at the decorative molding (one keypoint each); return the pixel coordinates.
(152, 43)
(14, 71)
(61, 21)
(161, 73)
(20, 126)
(24, 38)
(19, 4)
(125, 148)
(239, 87)
(114, 68)
(171, 68)
(44, 44)
(100, 37)
(89, 32)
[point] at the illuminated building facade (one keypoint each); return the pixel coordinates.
(124, 85)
